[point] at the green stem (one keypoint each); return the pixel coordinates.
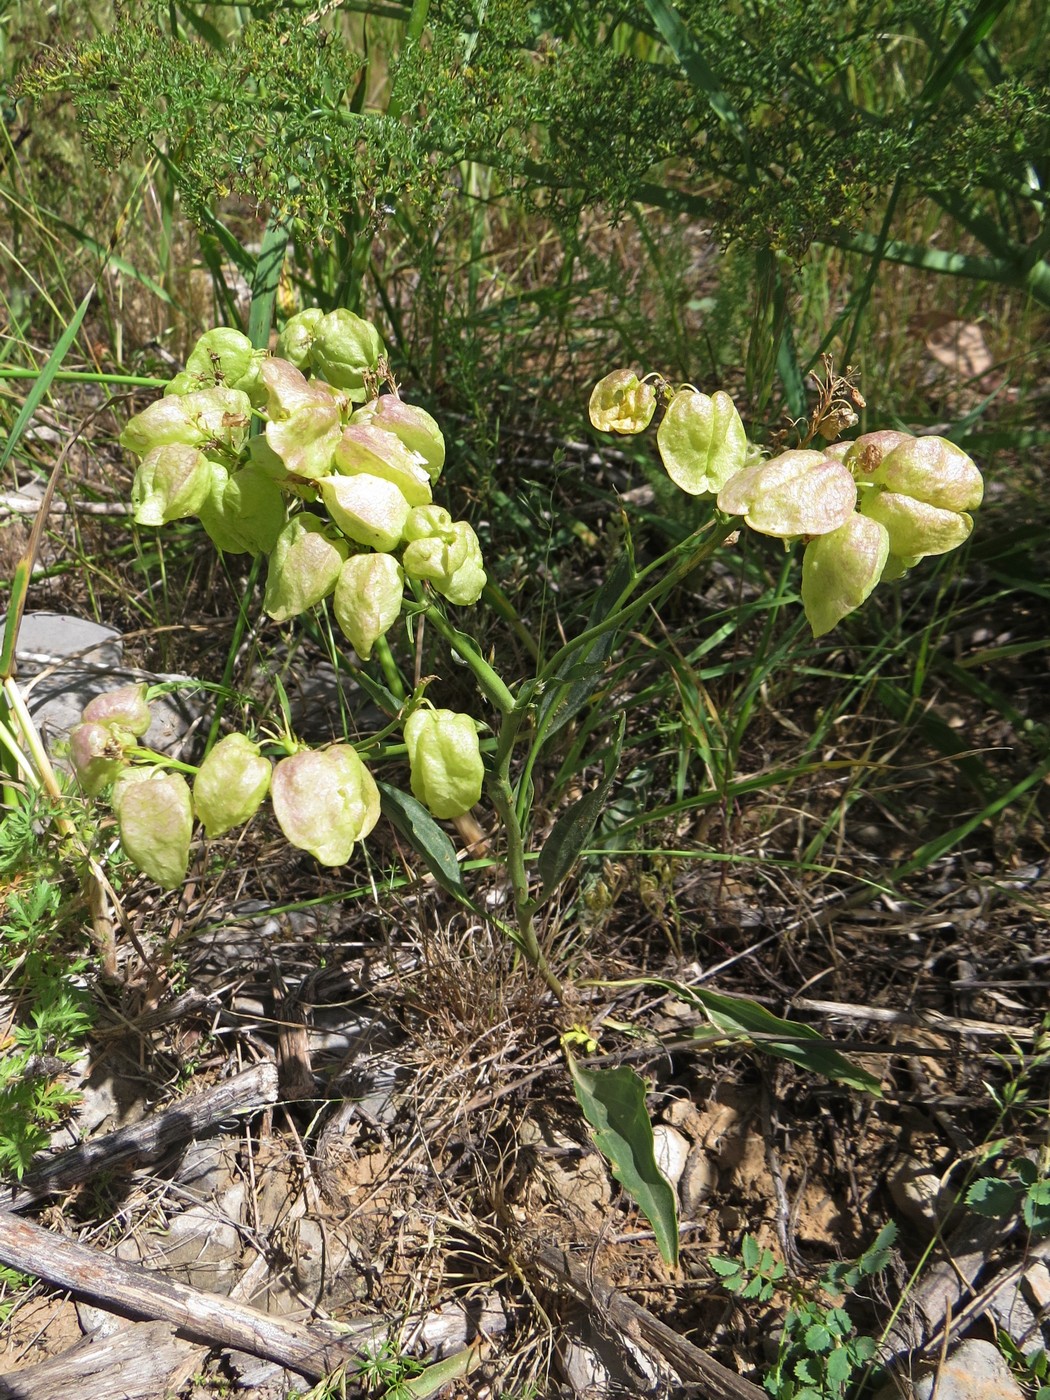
(390, 672)
(491, 685)
(231, 655)
(626, 611)
(76, 376)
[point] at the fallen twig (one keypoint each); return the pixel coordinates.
(150, 1139)
(693, 1367)
(312, 1351)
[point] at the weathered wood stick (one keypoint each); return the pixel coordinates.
(312, 1351)
(150, 1139)
(134, 1363)
(694, 1367)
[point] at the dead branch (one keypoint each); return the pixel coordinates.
(147, 1141)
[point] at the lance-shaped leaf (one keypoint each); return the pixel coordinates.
(613, 1103)
(571, 832)
(426, 838)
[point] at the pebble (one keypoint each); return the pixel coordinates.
(976, 1370)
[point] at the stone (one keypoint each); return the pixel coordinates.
(975, 1370)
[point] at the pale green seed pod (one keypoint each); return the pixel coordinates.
(467, 583)
(295, 343)
(702, 441)
(171, 483)
(255, 507)
(367, 600)
(125, 708)
(933, 470)
(798, 493)
(344, 349)
(916, 528)
(304, 426)
(230, 785)
(209, 416)
(154, 814)
(444, 756)
(363, 448)
(369, 510)
(220, 529)
(622, 403)
(436, 556)
(325, 801)
(304, 567)
(226, 356)
(840, 569)
(416, 429)
(97, 754)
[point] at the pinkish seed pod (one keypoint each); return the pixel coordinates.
(230, 785)
(155, 818)
(414, 426)
(124, 708)
(798, 493)
(933, 470)
(97, 754)
(170, 483)
(701, 440)
(621, 403)
(840, 569)
(304, 567)
(865, 453)
(368, 598)
(373, 450)
(325, 801)
(369, 510)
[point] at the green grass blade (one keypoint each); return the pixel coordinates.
(265, 282)
(24, 570)
(39, 390)
(976, 28)
(697, 69)
(940, 845)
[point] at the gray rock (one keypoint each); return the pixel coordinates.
(69, 660)
(976, 1370)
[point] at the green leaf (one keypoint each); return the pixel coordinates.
(750, 1252)
(724, 1268)
(786, 1040)
(613, 1103)
(24, 569)
(992, 1197)
(839, 1367)
(426, 838)
(573, 685)
(574, 826)
(818, 1338)
(265, 282)
(695, 66)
